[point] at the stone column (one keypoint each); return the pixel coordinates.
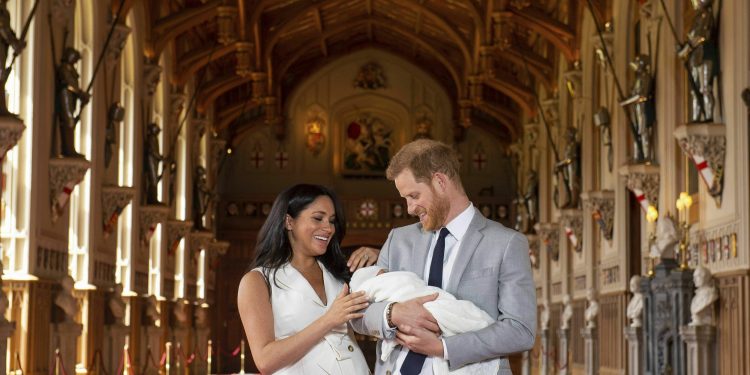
(590, 349)
(700, 349)
(115, 336)
(544, 357)
(563, 351)
(634, 336)
(64, 336)
(6, 329)
(202, 335)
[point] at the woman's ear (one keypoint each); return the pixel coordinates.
(288, 222)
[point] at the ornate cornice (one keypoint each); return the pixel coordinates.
(64, 175)
(114, 200)
(643, 181)
(117, 43)
(601, 206)
(549, 233)
(11, 130)
(149, 217)
(706, 145)
(572, 223)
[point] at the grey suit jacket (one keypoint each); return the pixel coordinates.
(492, 270)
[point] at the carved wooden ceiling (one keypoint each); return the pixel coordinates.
(248, 54)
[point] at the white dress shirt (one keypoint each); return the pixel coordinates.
(457, 228)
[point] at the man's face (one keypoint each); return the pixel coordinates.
(423, 200)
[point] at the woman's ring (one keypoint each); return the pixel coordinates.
(366, 257)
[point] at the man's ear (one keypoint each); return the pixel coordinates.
(440, 181)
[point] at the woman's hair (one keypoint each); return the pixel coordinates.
(273, 249)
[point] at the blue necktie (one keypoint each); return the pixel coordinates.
(413, 362)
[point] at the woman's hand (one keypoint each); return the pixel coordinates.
(362, 257)
(345, 307)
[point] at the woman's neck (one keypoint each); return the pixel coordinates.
(303, 263)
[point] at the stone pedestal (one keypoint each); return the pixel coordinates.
(525, 364)
(562, 353)
(151, 346)
(202, 336)
(634, 336)
(115, 336)
(544, 355)
(700, 349)
(64, 336)
(590, 350)
(6, 329)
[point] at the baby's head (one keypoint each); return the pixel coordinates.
(363, 274)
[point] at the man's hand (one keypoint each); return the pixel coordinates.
(420, 340)
(412, 314)
(362, 257)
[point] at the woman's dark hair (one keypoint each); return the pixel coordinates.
(273, 249)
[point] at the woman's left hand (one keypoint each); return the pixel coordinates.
(362, 257)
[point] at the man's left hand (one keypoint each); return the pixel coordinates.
(420, 340)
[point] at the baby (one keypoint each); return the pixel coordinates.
(453, 316)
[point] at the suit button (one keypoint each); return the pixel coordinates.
(351, 348)
(388, 372)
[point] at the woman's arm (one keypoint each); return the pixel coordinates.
(270, 355)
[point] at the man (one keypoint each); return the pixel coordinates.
(455, 248)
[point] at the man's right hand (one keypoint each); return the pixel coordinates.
(413, 314)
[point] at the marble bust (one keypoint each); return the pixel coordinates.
(635, 306)
(567, 312)
(116, 304)
(544, 316)
(666, 238)
(65, 299)
(701, 307)
(592, 311)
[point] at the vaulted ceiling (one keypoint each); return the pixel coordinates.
(489, 55)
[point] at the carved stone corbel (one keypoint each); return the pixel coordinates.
(551, 110)
(225, 22)
(643, 181)
(176, 105)
(11, 130)
(62, 11)
(706, 145)
(176, 230)
(218, 247)
(599, 49)
(151, 78)
(117, 43)
(150, 216)
(533, 240)
(200, 240)
(601, 206)
(244, 54)
(114, 200)
(64, 175)
(549, 234)
(572, 224)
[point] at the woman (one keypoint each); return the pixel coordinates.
(294, 304)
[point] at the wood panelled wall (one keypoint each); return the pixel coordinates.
(733, 328)
(612, 346)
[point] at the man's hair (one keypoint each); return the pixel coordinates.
(423, 158)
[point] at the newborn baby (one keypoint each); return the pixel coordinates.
(453, 316)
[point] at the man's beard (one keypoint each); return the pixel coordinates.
(436, 214)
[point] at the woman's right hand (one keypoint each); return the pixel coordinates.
(345, 307)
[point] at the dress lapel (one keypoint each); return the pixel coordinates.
(468, 247)
(293, 279)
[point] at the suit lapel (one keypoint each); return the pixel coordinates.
(289, 277)
(419, 252)
(468, 247)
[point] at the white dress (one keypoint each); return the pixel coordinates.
(295, 306)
